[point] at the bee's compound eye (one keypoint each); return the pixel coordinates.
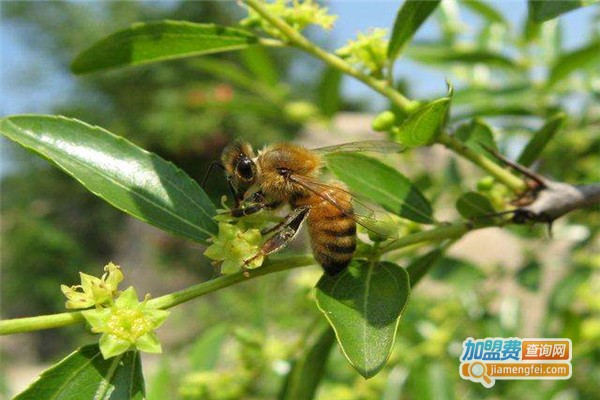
(244, 168)
(285, 172)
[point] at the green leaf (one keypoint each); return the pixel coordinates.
(529, 275)
(561, 298)
(587, 56)
(452, 173)
(380, 183)
(494, 110)
(158, 41)
(475, 206)
(84, 374)
(438, 54)
(512, 94)
(205, 352)
(531, 31)
(458, 272)
(224, 70)
(162, 383)
(476, 135)
(485, 10)
(302, 381)
(544, 10)
(396, 383)
(131, 179)
(420, 266)
(363, 304)
(423, 125)
(329, 91)
(410, 17)
(427, 370)
(538, 142)
(258, 61)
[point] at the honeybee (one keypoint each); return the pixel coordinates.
(288, 174)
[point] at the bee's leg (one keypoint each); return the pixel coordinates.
(279, 225)
(284, 235)
(257, 203)
(253, 208)
(290, 221)
(273, 228)
(209, 170)
(237, 196)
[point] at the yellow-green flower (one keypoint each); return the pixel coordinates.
(297, 14)
(214, 385)
(233, 246)
(128, 323)
(301, 111)
(368, 51)
(93, 291)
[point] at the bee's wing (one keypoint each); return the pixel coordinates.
(377, 146)
(366, 213)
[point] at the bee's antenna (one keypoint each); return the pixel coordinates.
(208, 171)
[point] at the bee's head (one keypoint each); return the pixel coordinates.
(238, 164)
(279, 163)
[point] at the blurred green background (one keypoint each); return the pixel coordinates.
(239, 342)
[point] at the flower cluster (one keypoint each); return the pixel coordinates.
(239, 239)
(125, 324)
(234, 246)
(94, 291)
(123, 321)
(367, 52)
(295, 13)
(496, 192)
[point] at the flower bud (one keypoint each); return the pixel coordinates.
(300, 111)
(485, 183)
(384, 121)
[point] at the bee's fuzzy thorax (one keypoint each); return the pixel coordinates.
(292, 156)
(297, 159)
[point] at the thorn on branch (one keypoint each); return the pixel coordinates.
(547, 200)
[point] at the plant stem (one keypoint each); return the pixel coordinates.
(271, 42)
(296, 39)
(173, 299)
(19, 325)
(452, 231)
(512, 181)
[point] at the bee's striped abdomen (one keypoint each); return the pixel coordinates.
(332, 235)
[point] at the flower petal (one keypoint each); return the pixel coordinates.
(127, 299)
(115, 276)
(157, 316)
(97, 318)
(149, 343)
(215, 252)
(231, 266)
(88, 281)
(111, 346)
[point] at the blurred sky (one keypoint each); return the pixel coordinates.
(18, 59)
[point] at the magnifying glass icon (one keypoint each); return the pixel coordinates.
(478, 370)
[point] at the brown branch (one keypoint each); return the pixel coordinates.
(556, 199)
